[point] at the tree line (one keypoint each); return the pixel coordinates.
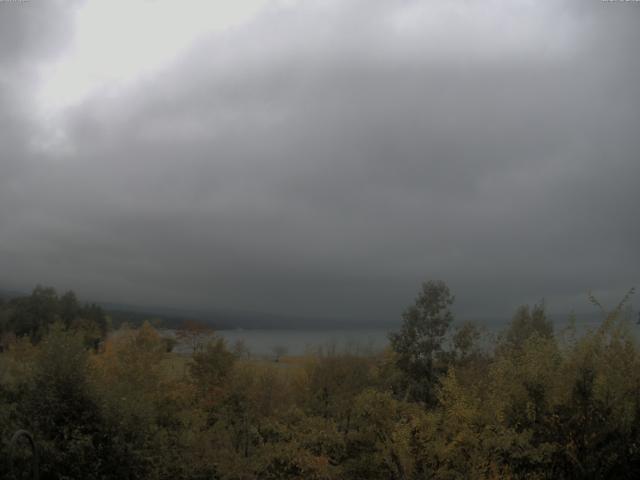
(440, 403)
(31, 316)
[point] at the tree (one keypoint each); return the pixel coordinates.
(33, 315)
(142, 422)
(527, 322)
(465, 343)
(69, 308)
(194, 334)
(212, 365)
(333, 383)
(240, 349)
(419, 343)
(279, 351)
(60, 409)
(93, 315)
(377, 447)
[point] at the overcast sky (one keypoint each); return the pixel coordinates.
(321, 157)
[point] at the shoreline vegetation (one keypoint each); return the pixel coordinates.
(441, 401)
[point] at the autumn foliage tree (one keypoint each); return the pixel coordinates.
(419, 343)
(438, 404)
(194, 334)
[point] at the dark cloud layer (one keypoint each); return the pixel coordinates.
(322, 161)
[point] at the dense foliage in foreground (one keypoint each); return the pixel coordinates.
(534, 405)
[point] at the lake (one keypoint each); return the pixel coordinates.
(301, 341)
(261, 342)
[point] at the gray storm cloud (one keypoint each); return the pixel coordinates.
(323, 161)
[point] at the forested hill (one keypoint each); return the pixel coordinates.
(163, 317)
(218, 319)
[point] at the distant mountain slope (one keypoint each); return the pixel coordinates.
(229, 319)
(171, 317)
